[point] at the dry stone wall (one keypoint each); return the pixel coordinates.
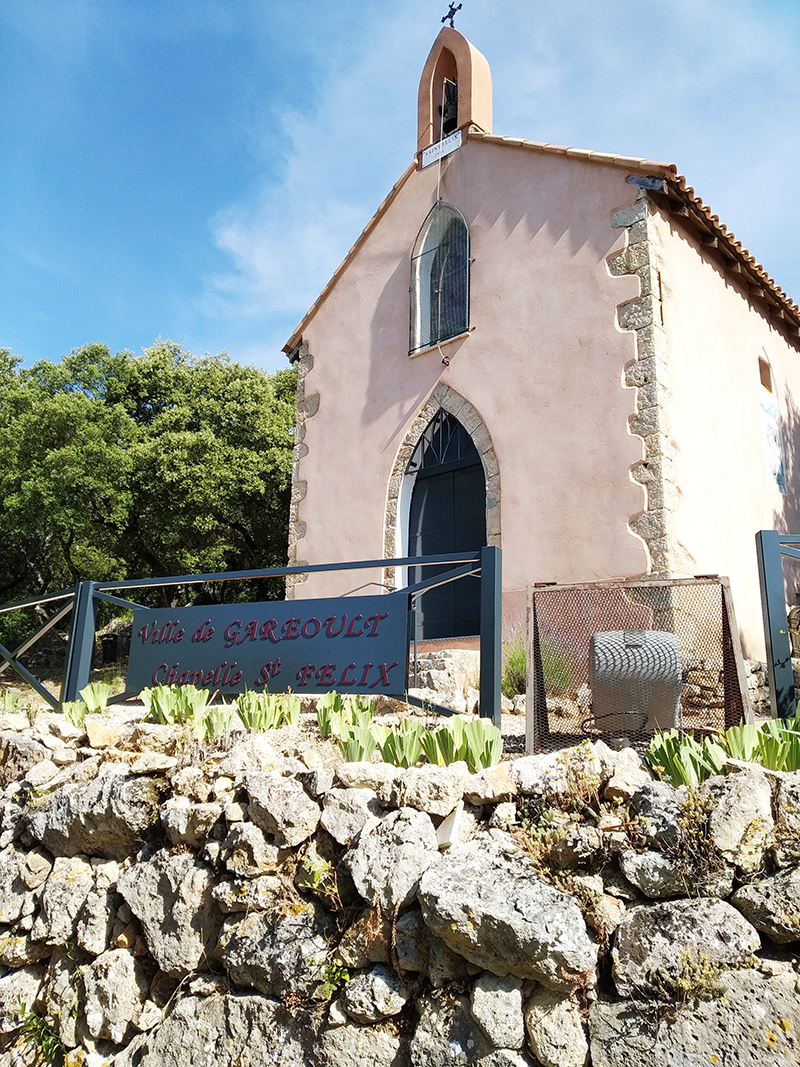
(165, 905)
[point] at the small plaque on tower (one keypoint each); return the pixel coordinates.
(441, 148)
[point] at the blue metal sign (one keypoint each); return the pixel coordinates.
(352, 645)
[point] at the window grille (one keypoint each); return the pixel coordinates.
(444, 441)
(440, 278)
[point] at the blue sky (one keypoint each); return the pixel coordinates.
(196, 169)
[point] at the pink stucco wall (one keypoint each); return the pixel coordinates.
(715, 335)
(543, 367)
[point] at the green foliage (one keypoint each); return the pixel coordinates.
(74, 711)
(514, 678)
(698, 979)
(348, 723)
(356, 742)
(267, 711)
(212, 722)
(319, 876)
(10, 703)
(121, 465)
(169, 704)
(477, 742)
(95, 696)
(483, 744)
(291, 709)
(36, 1033)
(330, 714)
(445, 745)
(400, 745)
(742, 741)
(334, 974)
(683, 760)
(358, 710)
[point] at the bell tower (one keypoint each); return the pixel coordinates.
(455, 90)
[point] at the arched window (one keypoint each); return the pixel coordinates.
(440, 278)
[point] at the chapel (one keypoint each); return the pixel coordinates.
(560, 352)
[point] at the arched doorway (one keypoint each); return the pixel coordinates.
(447, 514)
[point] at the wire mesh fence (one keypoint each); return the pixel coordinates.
(621, 659)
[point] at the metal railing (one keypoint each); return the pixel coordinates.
(82, 601)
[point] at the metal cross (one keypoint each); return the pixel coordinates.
(451, 14)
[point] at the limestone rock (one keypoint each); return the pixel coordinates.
(366, 940)
(337, 1016)
(387, 864)
(606, 914)
(252, 753)
(317, 781)
(657, 808)
(247, 894)
(96, 921)
(108, 816)
(12, 886)
(786, 849)
(247, 853)
(278, 952)
(153, 763)
(171, 897)
(496, 1005)
(555, 773)
(345, 812)
(352, 1045)
(18, 949)
(490, 786)
(741, 820)
(486, 902)
(60, 995)
(504, 816)
(281, 807)
(628, 777)
(41, 773)
(18, 754)
(383, 779)
(410, 941)
(101, 734)
(661, 936)
(657, 874)
(193, 782)
(10, 821)
(772, 905)
(70, 882)
(458, 827)
(435, 790)
(21, 986)
(447, 1036)
(375, 995)
(555, 1030)
(233, 1030)
(762, 1013)
(187, 823)
(115, 989)
(35, 868)
(579, 847)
